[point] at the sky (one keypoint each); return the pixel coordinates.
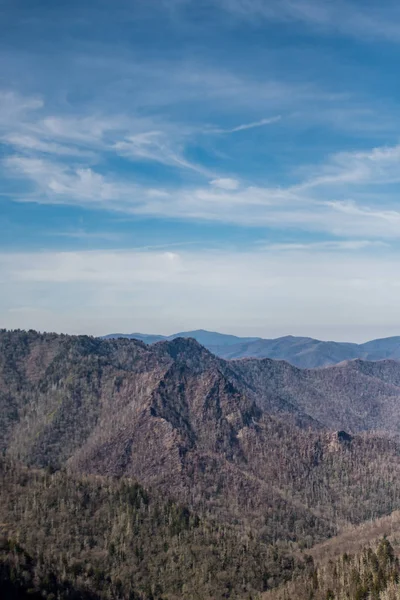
(231, 165)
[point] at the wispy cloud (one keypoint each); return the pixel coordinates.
(60, 160)
(154, 145)
(246, 126)
(80, 136)
(378, 165)
(314, 205)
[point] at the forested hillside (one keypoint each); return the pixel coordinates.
(166, 466)
(102, 538)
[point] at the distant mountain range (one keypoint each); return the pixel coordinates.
(303, 352)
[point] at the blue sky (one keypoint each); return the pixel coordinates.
(177, 164)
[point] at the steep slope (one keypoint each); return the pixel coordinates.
(53, 405)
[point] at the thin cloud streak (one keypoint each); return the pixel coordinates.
(327, 245)
(246, 126)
